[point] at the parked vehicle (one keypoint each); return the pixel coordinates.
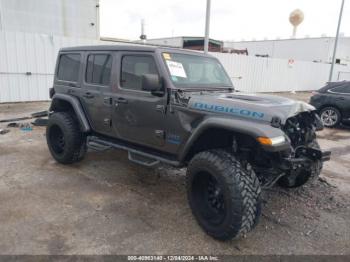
(179, 107)
(333, 103)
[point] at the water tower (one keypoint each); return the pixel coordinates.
(296, 18)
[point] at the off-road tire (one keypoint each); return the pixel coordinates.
(336, 113)
(304, 177)
(73, 147)
(240, 194)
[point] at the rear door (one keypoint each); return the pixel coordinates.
(138, 116)
(96, 89)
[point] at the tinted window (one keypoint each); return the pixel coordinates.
(133, 67)
(98, 69)
(68, 68)
(344, 89)
(331, 85)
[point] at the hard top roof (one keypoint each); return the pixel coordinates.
(138, 48)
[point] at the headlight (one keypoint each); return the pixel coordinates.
(267, 141)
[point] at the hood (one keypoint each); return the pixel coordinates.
(254, 106)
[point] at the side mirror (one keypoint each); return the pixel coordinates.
(151, 82)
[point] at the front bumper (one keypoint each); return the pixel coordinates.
(305, 157)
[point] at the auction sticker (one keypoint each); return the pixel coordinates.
(176, 69)
(166, 56)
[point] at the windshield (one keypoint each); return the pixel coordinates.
(191, 71)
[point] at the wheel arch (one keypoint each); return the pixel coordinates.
(218, 133)
(330, 105)
(62, 102)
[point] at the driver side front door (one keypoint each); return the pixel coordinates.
(138, 116)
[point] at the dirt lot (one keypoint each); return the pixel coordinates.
(107, 205)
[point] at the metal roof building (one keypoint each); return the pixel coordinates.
(304, 49)
(187, 42)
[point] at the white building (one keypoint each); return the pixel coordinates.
(31, 33)
(69, 18)
(304, 49)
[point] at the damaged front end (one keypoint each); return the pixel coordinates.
(301, 130)
(304, 159)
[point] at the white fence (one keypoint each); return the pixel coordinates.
(27, 64)
(257, 74)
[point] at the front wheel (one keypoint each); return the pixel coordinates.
(66, 142)
(224, 197)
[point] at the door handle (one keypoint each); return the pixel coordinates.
(88, 95)
(121, 100)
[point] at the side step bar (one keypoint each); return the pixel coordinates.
(142, 160)
(134, 155)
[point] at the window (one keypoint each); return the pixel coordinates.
(343, 89)
(133, 67)
(68, 68)
(98, 70)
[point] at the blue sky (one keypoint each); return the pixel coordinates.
(230, 19)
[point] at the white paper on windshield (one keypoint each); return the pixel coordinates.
(176, 69)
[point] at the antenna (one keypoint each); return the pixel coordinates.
(143, 37)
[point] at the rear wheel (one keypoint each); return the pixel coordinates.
(330, 116)
(223, 196)
(67, 144)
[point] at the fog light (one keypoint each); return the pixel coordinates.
(267, 141)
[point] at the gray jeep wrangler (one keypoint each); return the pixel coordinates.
(179, 108)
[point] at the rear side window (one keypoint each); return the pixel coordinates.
(98, 70)
(132, 69)
(344, 89)
(68, 67)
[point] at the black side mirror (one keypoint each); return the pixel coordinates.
(151, 82)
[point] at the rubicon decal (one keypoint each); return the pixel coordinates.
(227, 109)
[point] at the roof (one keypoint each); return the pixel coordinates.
(194, 38)
(111, 48)
(131, 47)
(288, 39)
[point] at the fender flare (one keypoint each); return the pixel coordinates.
(253, 129)
(78, 109)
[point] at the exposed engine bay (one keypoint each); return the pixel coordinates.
(303, 156)
(301, 129)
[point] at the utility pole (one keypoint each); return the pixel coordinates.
(336, 41)
(207, 24)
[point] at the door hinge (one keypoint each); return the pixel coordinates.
(160, 134)
(107, 122)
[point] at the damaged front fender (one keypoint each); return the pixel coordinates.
(250, 128)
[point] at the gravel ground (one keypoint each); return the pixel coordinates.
(107, 205)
